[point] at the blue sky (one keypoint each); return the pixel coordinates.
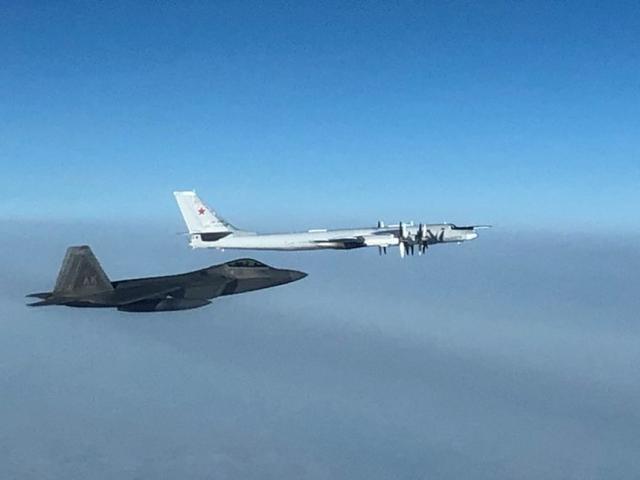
(516, 114)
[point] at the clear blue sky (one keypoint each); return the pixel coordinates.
(511, 113)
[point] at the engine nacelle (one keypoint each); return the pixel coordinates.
(164, 305)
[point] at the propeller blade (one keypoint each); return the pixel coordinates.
(401, 248)
(402, 230)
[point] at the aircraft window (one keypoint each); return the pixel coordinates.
(245, 262)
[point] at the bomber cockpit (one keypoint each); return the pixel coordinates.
(453, 226)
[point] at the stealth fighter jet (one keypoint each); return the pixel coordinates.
(82, 283)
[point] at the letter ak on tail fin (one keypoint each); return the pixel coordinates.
(198, 217)
(81, 274)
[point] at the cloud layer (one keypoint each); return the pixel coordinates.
(514, 356)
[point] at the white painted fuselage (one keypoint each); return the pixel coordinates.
(208, 230)
(328, 239)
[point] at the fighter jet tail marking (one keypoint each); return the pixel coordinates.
(81, 274)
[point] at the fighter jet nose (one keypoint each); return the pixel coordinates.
(296, 275)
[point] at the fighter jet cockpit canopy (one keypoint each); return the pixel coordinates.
(245, 262)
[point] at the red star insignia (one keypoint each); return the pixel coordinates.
(201, 211)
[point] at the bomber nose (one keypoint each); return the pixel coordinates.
(296, 275)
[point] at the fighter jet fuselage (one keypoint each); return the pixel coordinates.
(82, 283)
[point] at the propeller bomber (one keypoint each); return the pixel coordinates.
(208, 230)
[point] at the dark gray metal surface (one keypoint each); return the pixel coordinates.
(82, 283)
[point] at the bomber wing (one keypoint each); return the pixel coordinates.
(381, 239)
(343, 242)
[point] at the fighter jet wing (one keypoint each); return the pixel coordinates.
(136, 294)
(116, 297)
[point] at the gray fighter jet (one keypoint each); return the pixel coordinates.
(82, 283)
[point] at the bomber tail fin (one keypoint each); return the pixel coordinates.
(81, 274)
(198, 217)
